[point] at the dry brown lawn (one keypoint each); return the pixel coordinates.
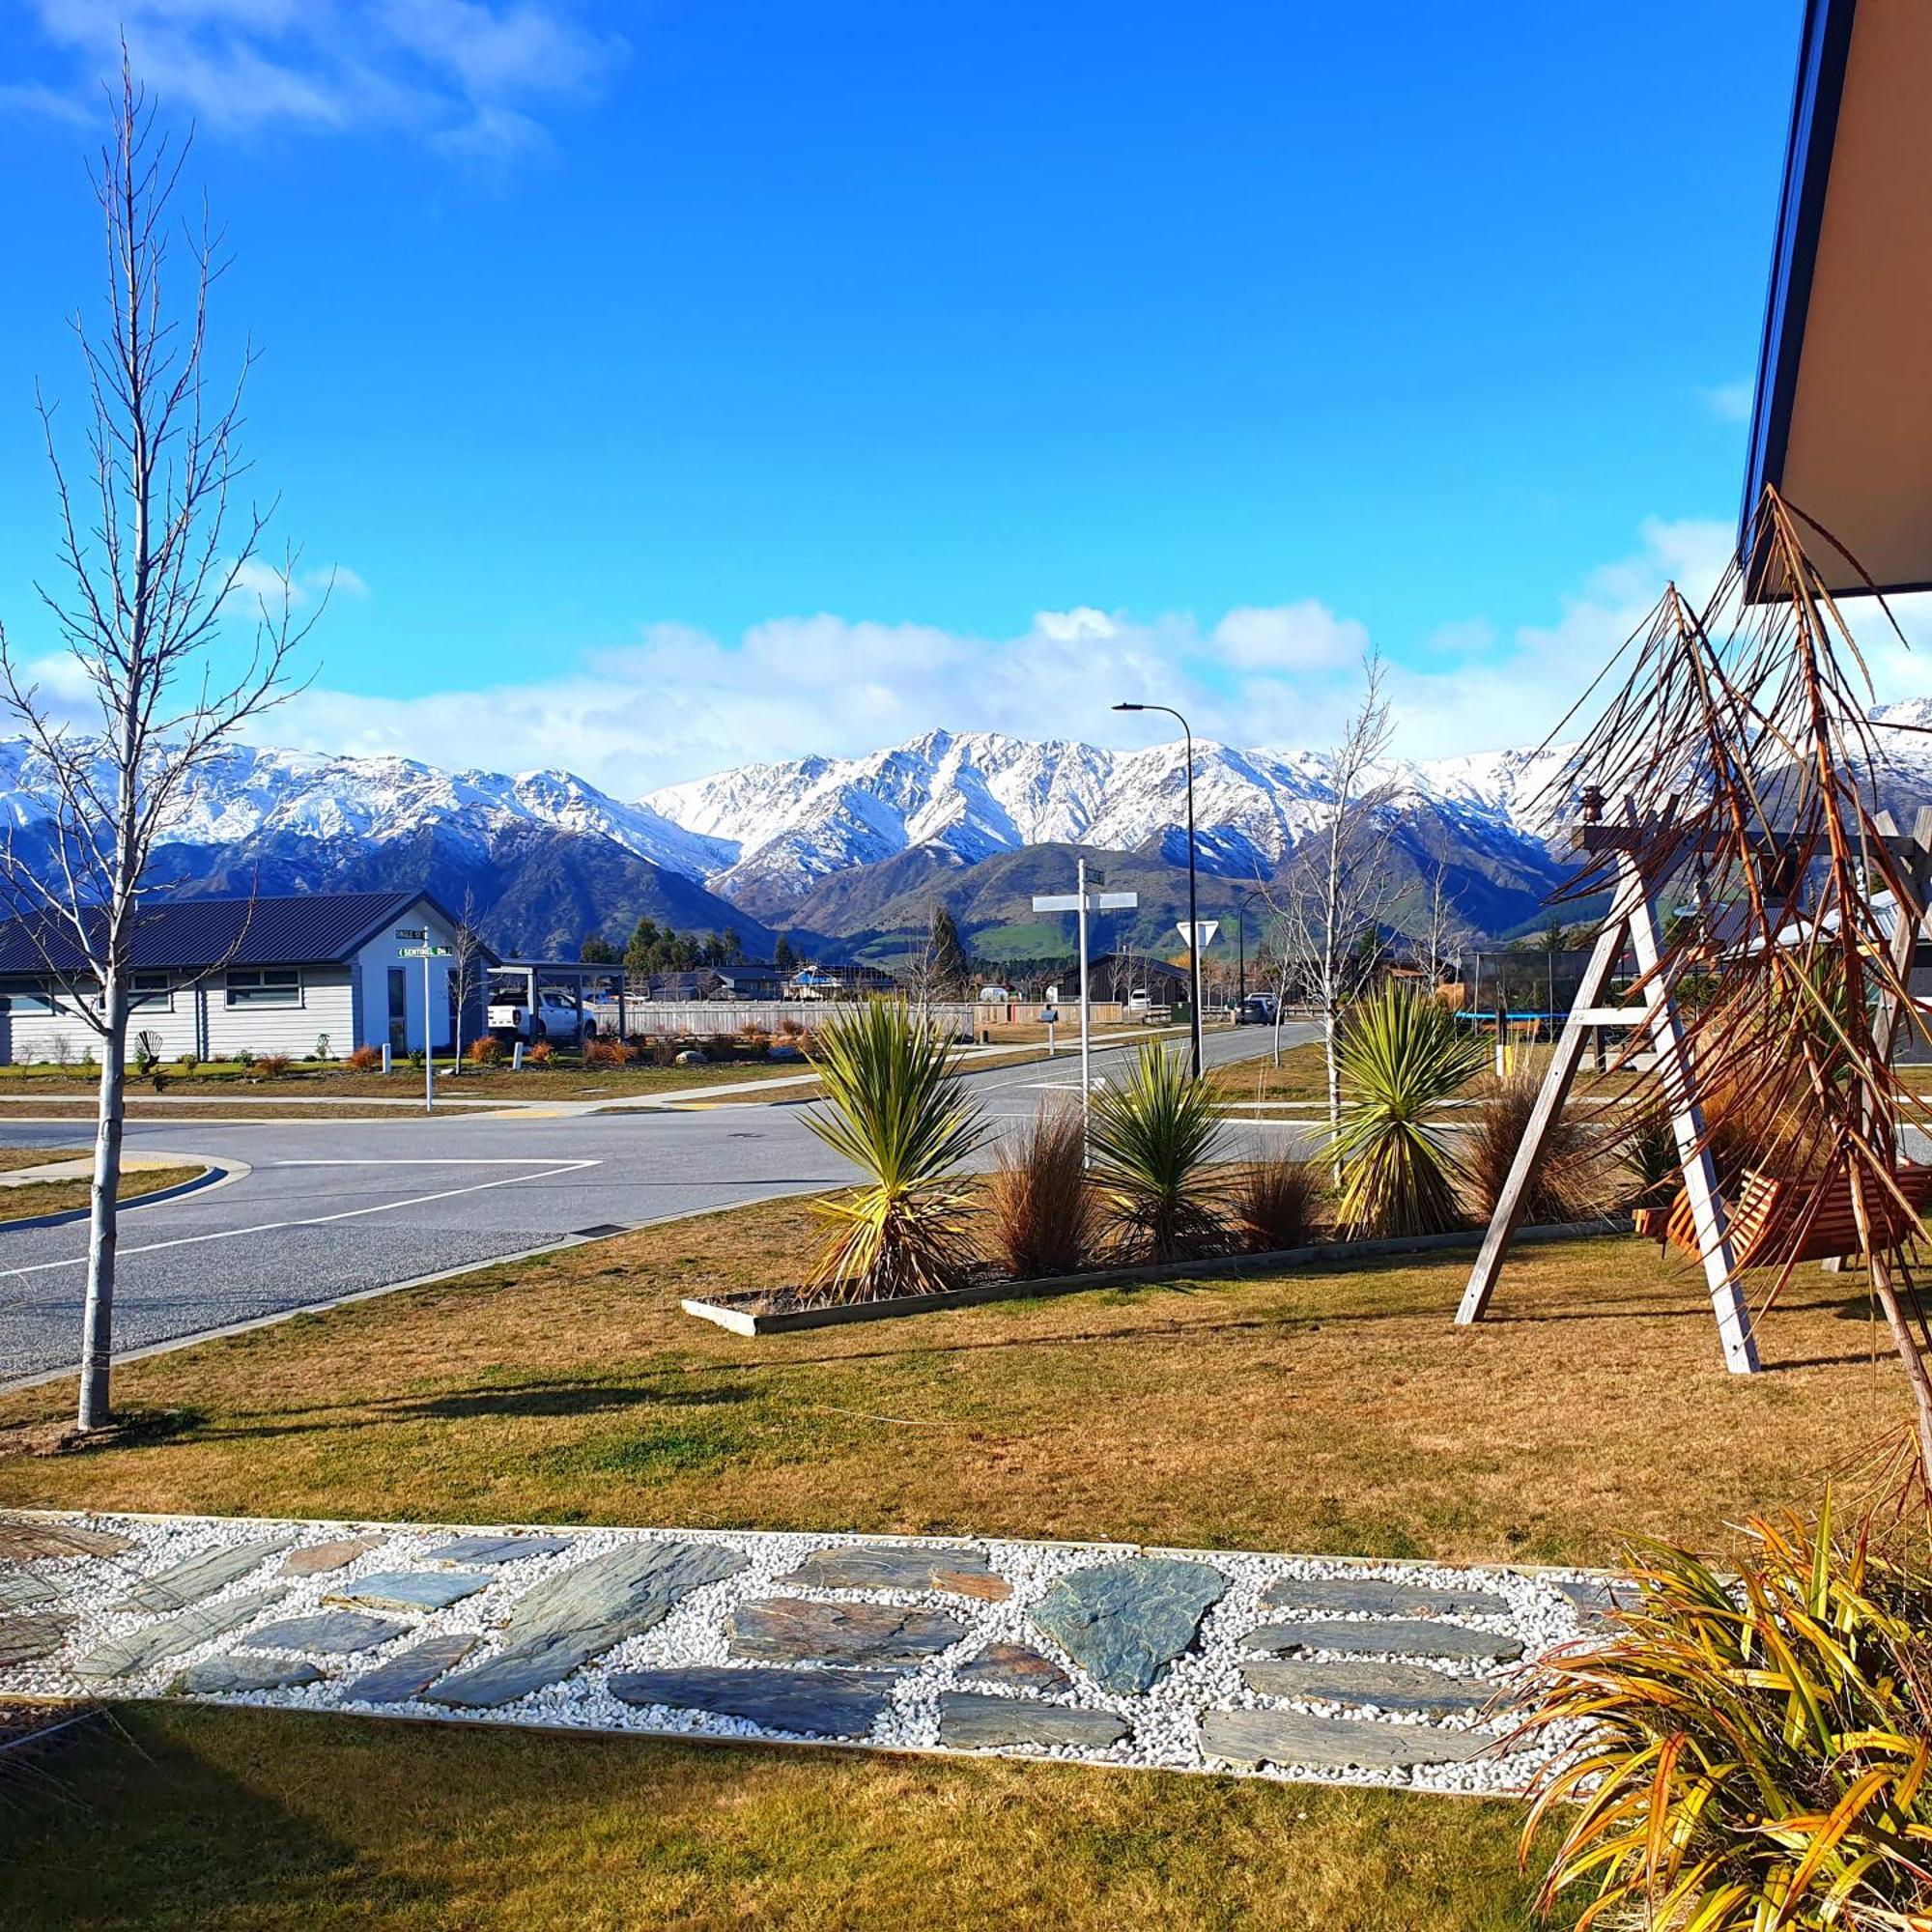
(1319, 1410)
(61, 1196)
(13, 1159)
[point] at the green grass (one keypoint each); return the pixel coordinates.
(235, 1821)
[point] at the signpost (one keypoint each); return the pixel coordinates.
(425, 953)
(1083, 902)
(1200, 936)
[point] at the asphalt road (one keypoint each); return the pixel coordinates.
(330, 1208)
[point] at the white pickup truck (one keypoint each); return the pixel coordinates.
(519, 1010)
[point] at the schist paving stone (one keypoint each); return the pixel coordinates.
(399, 1679)
(1015, 1666)
(22, 1640)
(319, 1558)
(1335, 1744)
(1389, 1637)
(961, 1573)
(155, 1643)
(1386, 1687)
(812, 1703)
(183, 1584)
(1123, 1622)
(1117, 1656)
(19, 1591)
(216, 1676)
(970, 1721)
(497, 1549)
(411, 1589)
(789, 1630)
(332, 1632)
(1379, 1597)
(568, 1619)
(29, 1542)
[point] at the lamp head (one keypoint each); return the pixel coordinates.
(1130, 707)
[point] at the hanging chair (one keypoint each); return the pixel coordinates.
(1768, 1221)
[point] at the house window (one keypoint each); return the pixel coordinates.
(264, 987)
(151, 992)
(34, 1001)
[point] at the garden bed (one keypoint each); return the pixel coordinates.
(785, 1311)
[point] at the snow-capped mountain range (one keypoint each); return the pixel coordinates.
(770, 846)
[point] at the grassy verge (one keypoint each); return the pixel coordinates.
(13, 1159)
(1321, 1411)
(60, 1197)
(405, 1083)
(233, 1819)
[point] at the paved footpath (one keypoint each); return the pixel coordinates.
(1300, 1667)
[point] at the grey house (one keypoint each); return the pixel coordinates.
(269, 975)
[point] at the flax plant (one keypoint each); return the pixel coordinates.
(1403, 1056)
(894, 1107)
(1752, 1754)
(1151, 1138)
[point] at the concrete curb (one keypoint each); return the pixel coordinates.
(214, 1174)
(740, 1320)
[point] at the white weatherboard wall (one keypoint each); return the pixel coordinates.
(371, 970)
(197, 1012)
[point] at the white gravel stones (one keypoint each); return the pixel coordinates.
(118, 1648)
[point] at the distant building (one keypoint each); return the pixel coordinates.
(268, 974)
(840, 983)
(745, 981)
(1119, 976)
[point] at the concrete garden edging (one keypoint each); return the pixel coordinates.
(741, 1320)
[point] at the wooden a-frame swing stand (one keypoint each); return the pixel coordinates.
(1633, 915)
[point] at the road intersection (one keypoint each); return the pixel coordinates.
(330, 1210)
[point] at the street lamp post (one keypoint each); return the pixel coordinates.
(1193, 916)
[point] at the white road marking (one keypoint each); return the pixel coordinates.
(319, 1220)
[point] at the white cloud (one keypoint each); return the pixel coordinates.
(674, 702)
(466, 77)
(1290, 637)
(1729, 402)
(260, 581)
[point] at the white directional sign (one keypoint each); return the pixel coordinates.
(1082, 902)
(1095, 901)
(1207, 928)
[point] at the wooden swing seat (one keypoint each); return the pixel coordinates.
(1767, 1223)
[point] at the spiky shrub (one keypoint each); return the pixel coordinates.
(1271, 1203)
(1043, 1208)
(894, 1108)
(1753, 1754)
(1151, 1138)
(1402, 1057)
(1569, 1179)
(366, 1060)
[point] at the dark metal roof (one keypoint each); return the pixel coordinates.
(303, 929)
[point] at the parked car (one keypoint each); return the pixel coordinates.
(520, 1010)
(1257, 1010)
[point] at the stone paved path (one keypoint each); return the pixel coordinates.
(1181, 1660)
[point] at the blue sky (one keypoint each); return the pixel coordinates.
(697, 381)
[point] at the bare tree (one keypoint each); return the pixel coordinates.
(465, 954)
(1335, 888)
(151, 563)
(1442, 934)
